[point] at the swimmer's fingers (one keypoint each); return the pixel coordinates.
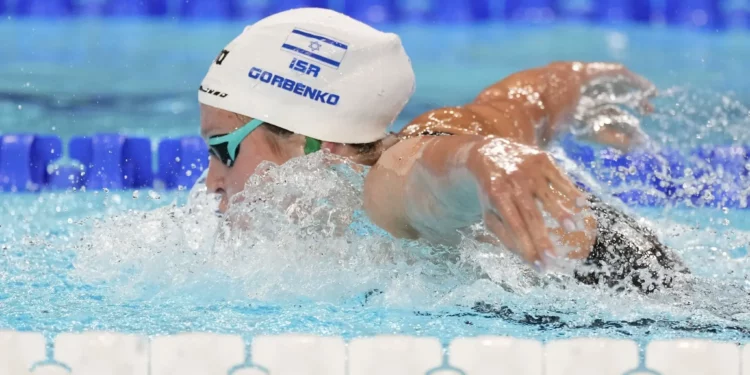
(558, 205)
(624, 80)
(637, 81)
(496, 226)
(562, 198)
(647, 89)
(532, 216)
(646, 107)
(558, 181)
(506, 208)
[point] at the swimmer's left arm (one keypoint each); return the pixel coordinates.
(578, 93)
(432, 186)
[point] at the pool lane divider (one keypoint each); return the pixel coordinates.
(24, 159)
(713, 176)
(709, 176)
(709, 15)
(32, 163)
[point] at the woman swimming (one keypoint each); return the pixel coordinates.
(310, 79)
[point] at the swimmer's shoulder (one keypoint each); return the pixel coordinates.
(442, 121)
(384, 192)
(500, 119)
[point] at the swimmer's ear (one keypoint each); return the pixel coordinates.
(332, 147)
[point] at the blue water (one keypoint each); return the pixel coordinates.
(78, 77)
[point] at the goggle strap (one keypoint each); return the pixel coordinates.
(312, 145)
(234, 139)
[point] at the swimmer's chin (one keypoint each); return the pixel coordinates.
(236, 220)
(232, 214)
(227, 202)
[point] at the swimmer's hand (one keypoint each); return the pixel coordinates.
(611, 126)
(607, 83)
(601, 114)
(512, 179)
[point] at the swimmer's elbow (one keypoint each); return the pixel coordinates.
(383, 203)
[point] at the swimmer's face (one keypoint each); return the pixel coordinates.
(254, 149)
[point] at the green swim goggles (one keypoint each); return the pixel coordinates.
(226, 147)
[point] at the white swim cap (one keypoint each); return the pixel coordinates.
(314, 72)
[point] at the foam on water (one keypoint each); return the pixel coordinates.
(298, 233)
(686, 117)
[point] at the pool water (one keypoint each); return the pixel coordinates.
(158, 262)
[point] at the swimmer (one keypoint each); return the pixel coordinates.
(310, 79)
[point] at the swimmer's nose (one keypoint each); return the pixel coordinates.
(214, 180)
(215, 184)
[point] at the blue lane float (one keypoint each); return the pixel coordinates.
(45, 8)
(193, 160)
(282, 5)
(130, 8)
(181, 161)
(606, 11)
(695, 13)
(137, 163)
(24, 159)
(65, 177)
(212, 9)
(244, 10)
(113, 161)
(702, 14)
(105, 168)
(531, 10)
(716, 176)
(169, 162)
(736, 14)
(708, 176)
(15, 161)
(44, 150)
(619, 11)
(413, 11)
(461, 10)
(373, 11)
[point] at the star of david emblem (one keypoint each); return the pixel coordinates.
(315, 46)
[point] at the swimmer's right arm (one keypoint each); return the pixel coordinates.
(433, 186)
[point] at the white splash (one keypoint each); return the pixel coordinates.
(298, 231)
(507, 155)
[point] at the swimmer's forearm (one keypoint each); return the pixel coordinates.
(564, 82)
(442, 193)
(569, 99)
(549, 94)
(431, 187)
(431, 191)
(576, 76)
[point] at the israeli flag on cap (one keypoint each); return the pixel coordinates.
(317, 47)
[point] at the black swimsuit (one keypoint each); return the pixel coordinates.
(627, 253)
